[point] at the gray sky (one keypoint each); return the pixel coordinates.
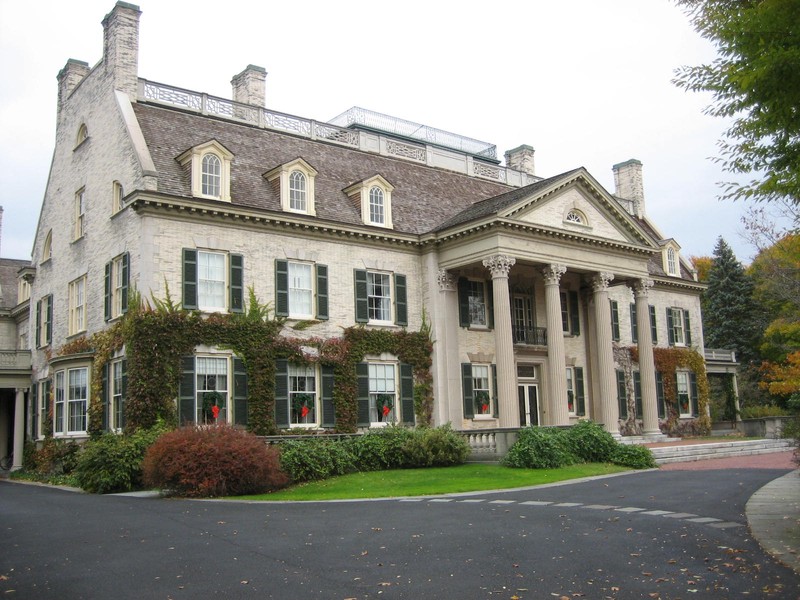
(585, 82)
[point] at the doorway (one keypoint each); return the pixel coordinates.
(528, 394)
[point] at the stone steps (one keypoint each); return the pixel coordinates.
(691, 452)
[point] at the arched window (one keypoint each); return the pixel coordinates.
(211, 175)
(83, 133)
(376, 206)
(116, 198)
(297, 191)
(47, 249)
(672, 261)
(575, 216)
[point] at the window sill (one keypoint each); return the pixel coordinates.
(386, 324)
(473, 327)
(484, 418)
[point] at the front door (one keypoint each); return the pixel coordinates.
(528, 394)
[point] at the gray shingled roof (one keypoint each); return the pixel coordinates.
(8, 280)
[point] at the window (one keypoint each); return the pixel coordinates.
(683, 388)
(575, 217)
(117, 388)
(635, 325)
(80, 214)
(477, 303)
(474, 297)
(41, 397)
(116, 197)
(615, 332)
(71, 400)
(116, 287)
(672, 261)
(77, 306)
(302, 395)
(82, 135)
(679, 327)
(576, 398)
(481, 390)
(44, 321)
(209, 166)
(376, 208)
(570, 319)
(374, 294)
(382, 393)
(297, 191)
(294, 182)
(47, 249)
(23, 290)
(297, 284)
(213, 281)
(374, 196)
(212, 390)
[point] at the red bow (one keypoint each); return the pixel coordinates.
(304, 411)
(386, 410)
(215, 411)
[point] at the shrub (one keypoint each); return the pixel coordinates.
(382, 449)
(113, 463)
(442, 447)
(216, 460)
(314, 458)
(634, 456)
(590, 442)
(541, 448)
(759, 411)
(55, 457)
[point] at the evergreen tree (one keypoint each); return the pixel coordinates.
(731, 316)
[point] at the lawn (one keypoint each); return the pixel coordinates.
(433, 481)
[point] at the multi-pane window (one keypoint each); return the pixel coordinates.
(116, 197)
(302, 394)
(571, 407)
(480, 390)
(44, 404)
(211, 389)
(382, 393)
(211, 176)
(211, 280)
(684, 398)
(672, 261)
(379, 296)
(677, 323)
(59, 402)
(80, 214)
(575, 216)
(47, 250)
(117, 408)
(477, 303)
(71, 401)
(300, 290)
(77, 306)
(44, 321)
(376, 206)
(297, 191)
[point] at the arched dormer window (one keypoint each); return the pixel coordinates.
(670, 257)
(297, 191)
(294, 182)
(672, 261)
(82, 135)
(47, 249)
(209, 167)
(374, 197)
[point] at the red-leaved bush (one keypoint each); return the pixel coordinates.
(216, 460)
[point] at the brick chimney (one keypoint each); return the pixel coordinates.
(628, 184)
(521, 159)
(68, 79)
(249, 86)
(121, 47)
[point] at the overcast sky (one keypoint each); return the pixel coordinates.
(585, 82)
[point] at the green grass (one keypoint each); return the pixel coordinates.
(432, 481)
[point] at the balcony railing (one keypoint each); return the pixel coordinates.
(531, 336)
(15, 360)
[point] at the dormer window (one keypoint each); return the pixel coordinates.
(209, 166)
(374, 197)
(294, 183)
(671, 259)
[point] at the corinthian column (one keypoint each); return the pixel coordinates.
(609, 411)
(499, 265)
(448, 389)
(556, 409)
(647, 367)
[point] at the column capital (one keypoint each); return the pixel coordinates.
(601, 280)
(499, 265)
(446, 281)
(552, 273)
(641, 287)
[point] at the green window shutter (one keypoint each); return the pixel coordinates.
(362, 373)
(104, 397)
(407, 393)
(237, 283)
(670, 331)
(622, 395)
(322, 292)
(687, 326)
(660, 394)
(38, 341)
(239, 392)
(124, 390)
(281, 288)
(653, 324)
(496, 404)
(189, 279)
(693, 394)
(362, 305)
(328, 412)
(282, 393)
(186, 398)
(36, 413)
(677, 404)
(107, 293)
(401, 302)
(614, 320)
(126, 280)
(575, 323)
(466, 387)
(634, 325)
(580, 394)
(463, 302)
(637, 391)
(48, 326)
(490, 304)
